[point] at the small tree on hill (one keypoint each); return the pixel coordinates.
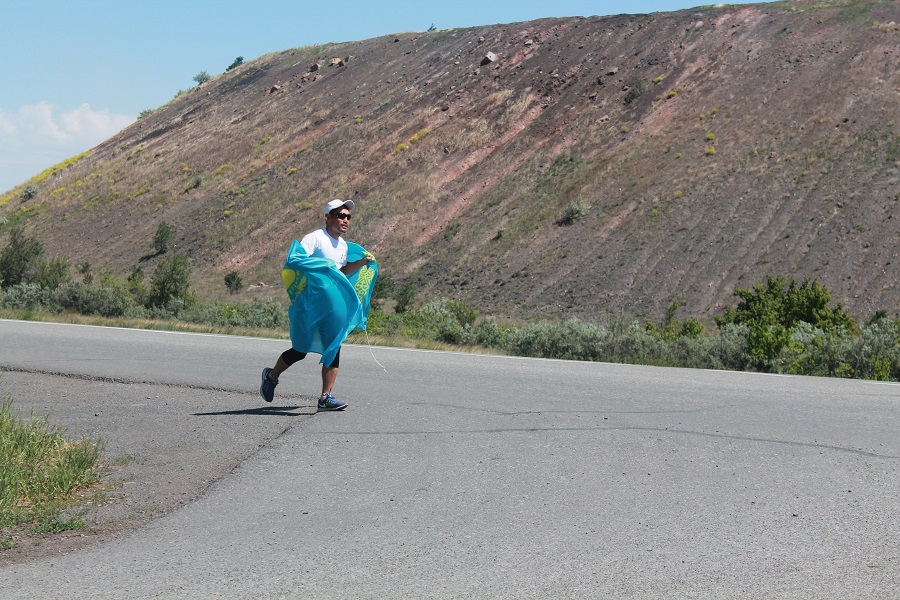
(84, 269)
(171, 281)
(233, 282)
(163, 237)
(773, 308)
(202, 77)
(135, 285)
(29, 192)
(20, 261)
(237, 62)
(405, 297)
(54, 273)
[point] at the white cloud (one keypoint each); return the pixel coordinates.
(97, 125)
(38, 136)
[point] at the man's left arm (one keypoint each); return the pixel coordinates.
(352, 267)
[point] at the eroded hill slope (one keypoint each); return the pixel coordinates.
(576, 166)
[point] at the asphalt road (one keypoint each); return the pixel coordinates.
(455, 476)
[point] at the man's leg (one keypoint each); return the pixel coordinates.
(280, 367)
(329, 376)
(270, 376)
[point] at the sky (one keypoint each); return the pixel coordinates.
(76, 72)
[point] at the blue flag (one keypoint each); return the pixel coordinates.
(325, 305)
(363, 281)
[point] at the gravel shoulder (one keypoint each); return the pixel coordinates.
(163, 447)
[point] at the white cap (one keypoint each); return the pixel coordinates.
(337, 204)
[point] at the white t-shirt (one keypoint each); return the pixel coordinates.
(319, 243)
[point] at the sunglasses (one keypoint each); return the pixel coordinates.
(341, 216)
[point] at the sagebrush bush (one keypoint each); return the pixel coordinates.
(731, 348)
(26, 296)
(875, 354)
(491, 335)
(100, 300)
(575, 211)
(28, 192)
(258, 314)
(633, 344)
(813, 351)
(440, 321)
(571, 339)
(462, 312)
(389, 325)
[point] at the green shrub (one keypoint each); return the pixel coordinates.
(202, 77)
(171, 282)
(633, 344)
(875, 353)
(84, 269)
(29, 192)
(439, 321)
(462, 312)
(258, 314)
(772, 309)
(384, 288)
(388, 325)
(636, 91)
(233, 282)
(731, 348)
(571, 339)
(575, 211)
(21, 259)
(405, 297)
(54, 273)
(136, 287)
(163, 237)
(491, 335)
(26, 296)
(236, 63)
(101, 300)
(196, 182)
(813, 351)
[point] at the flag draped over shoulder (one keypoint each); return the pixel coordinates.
(325, 305)
(363, 281)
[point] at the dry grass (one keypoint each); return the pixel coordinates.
(479, 132)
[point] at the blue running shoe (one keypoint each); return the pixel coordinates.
(329, 402)
(267, 387)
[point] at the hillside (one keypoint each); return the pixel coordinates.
(692, 151)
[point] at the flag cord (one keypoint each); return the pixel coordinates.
(372, 353)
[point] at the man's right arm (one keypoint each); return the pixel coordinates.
(309, 243)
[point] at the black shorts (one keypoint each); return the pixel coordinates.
(291, 356)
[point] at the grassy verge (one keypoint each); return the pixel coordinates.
(152, 324)
(41, 473)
